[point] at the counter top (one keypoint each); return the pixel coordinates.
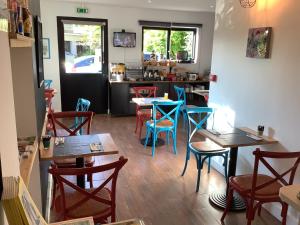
(147, 82)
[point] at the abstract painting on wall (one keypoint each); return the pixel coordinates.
(259, 41)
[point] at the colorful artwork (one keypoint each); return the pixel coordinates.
(259, 40)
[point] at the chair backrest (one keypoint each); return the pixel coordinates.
(285, 178)
(57, 118)
(145, 92)
(197, 116)
(82, 105)
(47, 84)
(169, 111)
(109, 174)
(180, 94)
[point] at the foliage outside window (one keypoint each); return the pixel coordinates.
(169, 43)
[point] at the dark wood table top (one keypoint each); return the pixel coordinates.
(237, 137)
(78, 147)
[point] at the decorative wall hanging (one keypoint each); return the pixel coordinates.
(247, 3)
(259, 41)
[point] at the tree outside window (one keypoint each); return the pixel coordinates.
(169, 43)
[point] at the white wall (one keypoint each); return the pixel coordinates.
(118, 19)
(8, 137)
(259, 91)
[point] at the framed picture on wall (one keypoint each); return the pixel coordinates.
(259, 42)
(46, 48)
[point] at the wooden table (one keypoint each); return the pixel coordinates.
(233, 139)
(79, 147)
(289, 193)
(143, 102)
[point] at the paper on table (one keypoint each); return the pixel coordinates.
(96, 147)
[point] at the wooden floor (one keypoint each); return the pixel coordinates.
(152, 188)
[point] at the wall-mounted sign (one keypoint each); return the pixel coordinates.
(82, 10)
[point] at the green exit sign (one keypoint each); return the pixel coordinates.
(82, 10)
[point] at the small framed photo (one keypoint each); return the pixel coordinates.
(46, 48)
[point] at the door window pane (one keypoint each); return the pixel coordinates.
(182, 45)
(83, 48)
(155, 44)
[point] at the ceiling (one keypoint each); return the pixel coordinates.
(181, 5)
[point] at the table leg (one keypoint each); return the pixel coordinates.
(219, 199)
(80, 179)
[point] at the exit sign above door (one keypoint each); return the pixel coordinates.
(82, 10)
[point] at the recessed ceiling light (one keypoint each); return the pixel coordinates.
(212, 6)
(149, 1)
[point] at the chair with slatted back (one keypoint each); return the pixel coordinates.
(257, 189)
(181, 96)
(143, 114)
(59, 119)
(169, 111)
(202, 150)
(98, 202)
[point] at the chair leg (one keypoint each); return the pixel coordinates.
(53, 192)
(199, 167)
(90, 179)
(284, 213)
(187, 158)
(147, 136)
(141, 127)
(154, 142)
(136, 124)
(167, 137)
(259, 210)
(208, 169)
(228, 203)
(174, 142)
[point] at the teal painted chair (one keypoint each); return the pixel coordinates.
(181, 96)
(169, 111)
(47, 84)
(202, 150)
(82, 105)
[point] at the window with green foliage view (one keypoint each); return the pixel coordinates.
(169, 43)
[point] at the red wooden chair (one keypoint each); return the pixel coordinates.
(49, 95)
(257, 189)
(99, 202)
(142, 114)
(58, 119)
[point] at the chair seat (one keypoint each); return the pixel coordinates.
(146, 114)
(88, 208)
(72, 161)
(206, 146)
(244, 182)
(162, 124)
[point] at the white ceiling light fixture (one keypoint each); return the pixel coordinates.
(149, 1)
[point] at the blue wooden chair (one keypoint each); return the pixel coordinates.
(166, 123)
(202, 150)
(47, 84)
(181, 96)
(83, 105)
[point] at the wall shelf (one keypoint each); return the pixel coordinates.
(21, 41)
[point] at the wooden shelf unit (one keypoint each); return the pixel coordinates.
(20, 41)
